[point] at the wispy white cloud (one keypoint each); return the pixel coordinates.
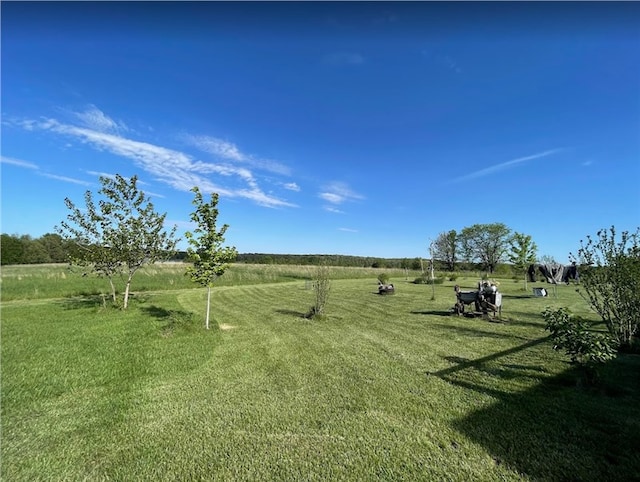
(228, 151)
(331, 209)
(34, 167)
(292, 186)
(504, 165)
(338, 193)
(18, 162)
(348, 230)
(343, 58)
(175, 168)
(94, 118)
(66, 179)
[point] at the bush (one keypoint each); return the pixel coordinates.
(609, 272)
(321, 287)
(586, 348)
(453, 277)
(383, 278)
(426, 279)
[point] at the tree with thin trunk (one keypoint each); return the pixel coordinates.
(445, 249)
(120, 235)
(522, 253)
(210, 259)
(485, 243)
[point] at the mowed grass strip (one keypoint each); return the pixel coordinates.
(386, 387)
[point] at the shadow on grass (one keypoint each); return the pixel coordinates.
(87, 301)
(101, 300)
(475, 332)
(297, 314)
(556, 430)
(517, 297)
(172, 320)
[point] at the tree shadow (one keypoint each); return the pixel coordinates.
(554, 430)
(297, 314)
(478, 333)
(86, 301)
(172, 320)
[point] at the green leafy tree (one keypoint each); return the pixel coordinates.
(119, 235)
(35, 252)
(11, 249)
(485, 243)
(522, 253)
(445, 249)
(609, 269)
(210, 259)
(55, 247)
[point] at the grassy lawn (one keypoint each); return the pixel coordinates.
(386, 387)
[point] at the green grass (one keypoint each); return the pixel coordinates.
(386, 387)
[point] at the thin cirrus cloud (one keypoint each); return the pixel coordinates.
(18, 162)
(504, 165)
(94, 118)
(177, 169)
(34, 167)
(337, 193)
(66, 179)
(230, 152)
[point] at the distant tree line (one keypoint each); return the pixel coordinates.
(52, 248)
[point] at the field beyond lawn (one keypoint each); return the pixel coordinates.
(385, 388)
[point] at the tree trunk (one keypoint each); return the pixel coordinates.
(126, 294)
(113, 289)
(206, 323)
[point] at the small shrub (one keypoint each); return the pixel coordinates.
(383, 278)
(426, 280)
(321, 287)
(609, 269)
(453, 277)
(586, 348)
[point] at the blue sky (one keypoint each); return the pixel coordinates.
(337, 128)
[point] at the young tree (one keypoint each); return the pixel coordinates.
(522, 253)
(321, 288)
(205, 251)
(547, 259)
(120, 235)
(610, 275)
(445, 249)
(485, 243)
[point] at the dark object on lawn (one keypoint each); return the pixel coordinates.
(486, 298)
(540, 292)
(386, 289)
(553, 273)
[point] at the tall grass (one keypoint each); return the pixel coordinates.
(60, 280)
(386, 387)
